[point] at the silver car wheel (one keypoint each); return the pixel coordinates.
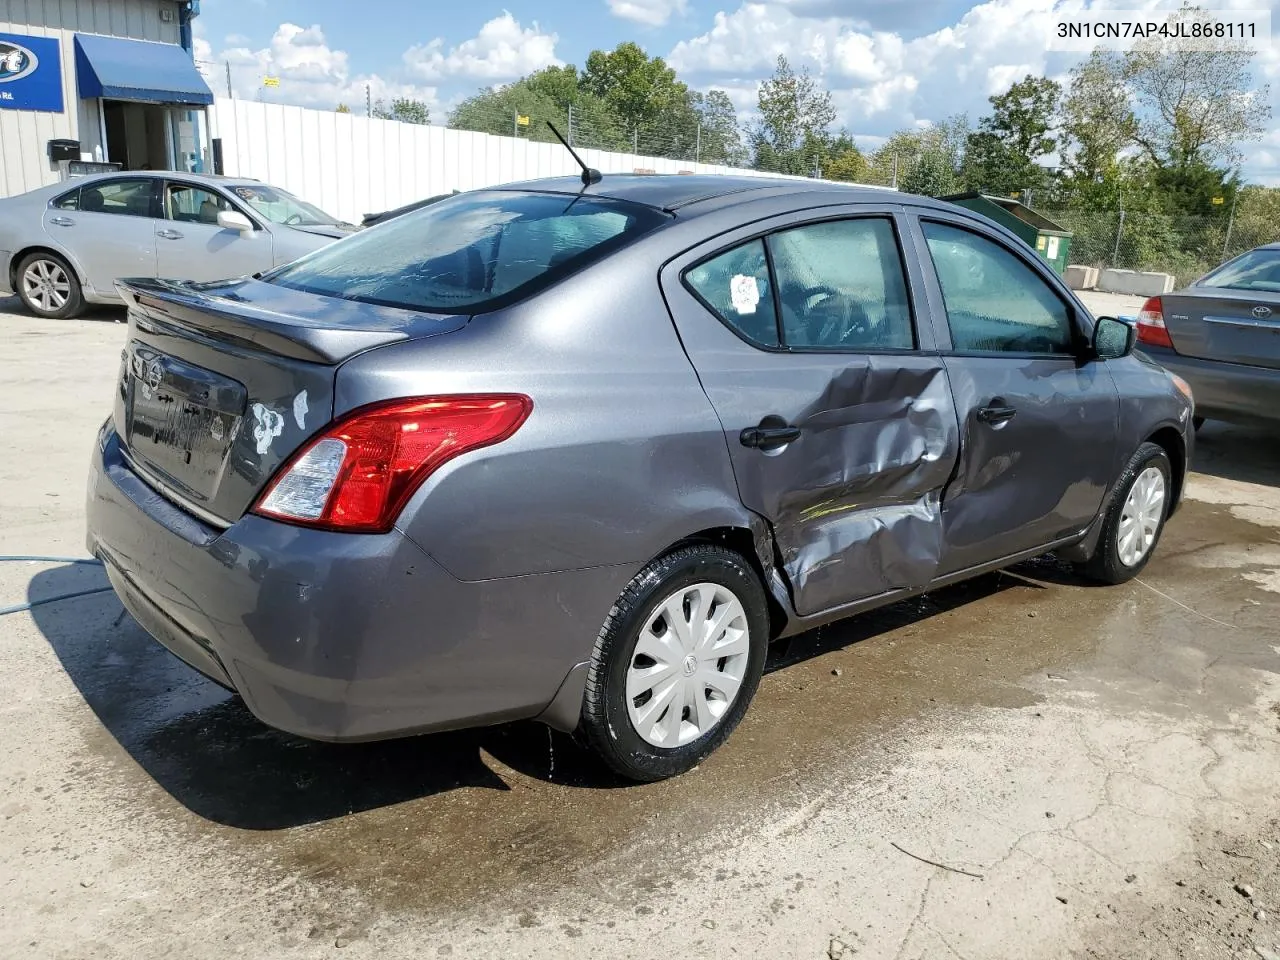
(46, 285)
(688, 664)
(1140, 519)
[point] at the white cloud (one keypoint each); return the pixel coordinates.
(502, 50)
(648, 13)
(882, 80)
(311, 73)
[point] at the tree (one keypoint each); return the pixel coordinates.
(1097, 123)
(1002, 156)
(1193, 109)
(403, 109)
(926, 160)
(495, 110)
(842, 160)
(342, 108)
(1194, 104)
(646, 98)
(719, 139)
(795, 114)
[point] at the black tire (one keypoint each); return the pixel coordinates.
(74, 304)
(605, 725)
(1105, 566)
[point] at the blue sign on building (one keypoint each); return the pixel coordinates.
(30, 73)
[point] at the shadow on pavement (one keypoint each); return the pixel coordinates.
(93, 313)
(1245, 454)
(200, 743)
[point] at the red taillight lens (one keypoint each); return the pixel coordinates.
(1151, 328)
(357, 475)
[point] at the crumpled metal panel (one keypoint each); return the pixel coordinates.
(856, 509)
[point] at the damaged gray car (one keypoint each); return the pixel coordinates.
(578, 450)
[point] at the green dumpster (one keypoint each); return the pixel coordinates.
(1047, 238)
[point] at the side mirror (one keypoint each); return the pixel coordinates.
(1113, 338)
(235, 220)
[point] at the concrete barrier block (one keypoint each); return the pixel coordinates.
(1135, 283)
(1080, 277)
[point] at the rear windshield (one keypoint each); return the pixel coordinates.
(470, 252)
(1255, 270)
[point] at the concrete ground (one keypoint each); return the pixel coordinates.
(1092, 771)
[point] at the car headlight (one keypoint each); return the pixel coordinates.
(1184, 388)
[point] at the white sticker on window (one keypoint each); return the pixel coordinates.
(744, 292)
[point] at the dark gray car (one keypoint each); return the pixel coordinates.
(579, 453)
(1222, 333)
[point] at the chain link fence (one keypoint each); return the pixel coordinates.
(1186, 246)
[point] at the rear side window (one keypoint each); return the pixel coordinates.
(471, 252)
(68, 201)
(735, 285)
(125, 198)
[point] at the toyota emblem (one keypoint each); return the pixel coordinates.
(1261, 312)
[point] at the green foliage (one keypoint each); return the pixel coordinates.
(795, 114)
(927, 160)
(1003, 156)
(403, 109)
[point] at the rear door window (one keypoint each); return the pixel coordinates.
(476, 251)
(127, 198)
(841, 286)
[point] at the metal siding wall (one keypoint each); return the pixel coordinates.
(350, 165)
(23, 134)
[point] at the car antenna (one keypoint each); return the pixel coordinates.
(589, 174)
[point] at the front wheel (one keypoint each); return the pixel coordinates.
(1134, 519)
(676, 664)
(48, 286)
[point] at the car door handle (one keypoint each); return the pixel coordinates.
(768, 438)
(169, 234)
(996, 412)
(62, 221)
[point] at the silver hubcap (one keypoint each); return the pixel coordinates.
(688, 664)
(46, 285)
(1141, 516)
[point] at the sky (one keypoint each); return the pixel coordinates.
(888, 63)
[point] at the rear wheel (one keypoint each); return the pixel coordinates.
(676, 664)
(48, 286)
(1134, 519)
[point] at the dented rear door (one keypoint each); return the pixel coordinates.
(843, 438)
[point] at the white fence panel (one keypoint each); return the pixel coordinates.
(351, 165)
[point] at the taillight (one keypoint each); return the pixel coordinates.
(357, 475)
(1151, 328)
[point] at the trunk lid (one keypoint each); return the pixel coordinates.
(221, 383)
(1234, 326)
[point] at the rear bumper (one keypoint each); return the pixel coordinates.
(338, 636)
(1225, 391)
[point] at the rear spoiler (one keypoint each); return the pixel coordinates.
(306, 327)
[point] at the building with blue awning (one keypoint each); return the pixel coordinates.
(86, 85)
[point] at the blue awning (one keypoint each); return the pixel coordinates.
(138, 70)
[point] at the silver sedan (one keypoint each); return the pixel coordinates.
(63, 246)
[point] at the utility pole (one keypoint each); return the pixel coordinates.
(1231, 219)
(697, 149)
(228, 66)
(570, 125)
(635, 139)
(1115, 254)
(368, 102)
(515, 123)
(895, 171)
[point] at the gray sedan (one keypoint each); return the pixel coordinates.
(579, 451)
(65, 245)
(1222, 333)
